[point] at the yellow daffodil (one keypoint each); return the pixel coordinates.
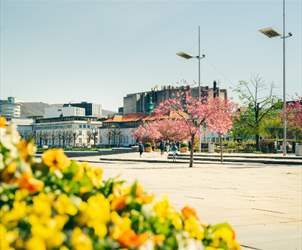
(55, 159)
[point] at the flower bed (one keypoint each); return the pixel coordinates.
(57, 203)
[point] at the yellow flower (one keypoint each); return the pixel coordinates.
(8, 173)
(176, 220)
(80, 173)
(55, 159)
(18, 211)
(48, 229)
(164, 211)
(26, 149)
(95, 174)
(42, 205)
(2, 122)
(194, 228)
(141, 196)
(80, 241)
(224, 232)
(95, 213)
(6, 238)
(21, 194)
(64, 205)
(121, 225)
(35, 243)
(162, 208)
(64, 248)
(158, 239)
(210, 248)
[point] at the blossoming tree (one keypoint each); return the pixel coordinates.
(171, 129)
(294, 111)
(220, 119)
(146, 133)
(214, 113)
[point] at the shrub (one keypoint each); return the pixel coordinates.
(183, 145)
(148, 144)
(267, 146)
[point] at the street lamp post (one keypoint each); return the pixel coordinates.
(271, 33)
(198, 57)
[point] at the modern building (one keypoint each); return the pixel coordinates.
(52, 112)
(145, 102)
(10, 108)
(91, 109)
(24, 127)
(71, 131)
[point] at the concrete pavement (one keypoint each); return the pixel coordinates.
(262, 202)
(201, 158)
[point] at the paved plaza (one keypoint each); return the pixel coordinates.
(262, 202)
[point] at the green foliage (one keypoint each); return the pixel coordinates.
(148, 144)
(183, 145)
(260, 109)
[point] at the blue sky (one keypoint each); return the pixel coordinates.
(62, 50)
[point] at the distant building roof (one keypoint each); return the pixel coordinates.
(67, 118)
(133, 117)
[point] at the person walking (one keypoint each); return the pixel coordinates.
(167, 146)
(162, 147)
(141, 148)
(174, 150)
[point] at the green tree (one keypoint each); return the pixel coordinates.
(259, 106)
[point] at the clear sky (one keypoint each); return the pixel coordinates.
(60, 51)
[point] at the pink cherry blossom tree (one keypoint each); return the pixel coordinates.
(189, 110)
(171, 129)
(294, 114)
(146, 133)
(214, 113)
(220, 119)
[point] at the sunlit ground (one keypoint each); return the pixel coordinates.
(262, 202)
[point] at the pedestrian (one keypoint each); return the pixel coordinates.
(162, 147)
(140, 148)
(168, 147)
(174, 150)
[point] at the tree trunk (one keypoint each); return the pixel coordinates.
(257, 139)
(221, 149)
(192, 151)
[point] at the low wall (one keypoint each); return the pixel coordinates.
(100, 152)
